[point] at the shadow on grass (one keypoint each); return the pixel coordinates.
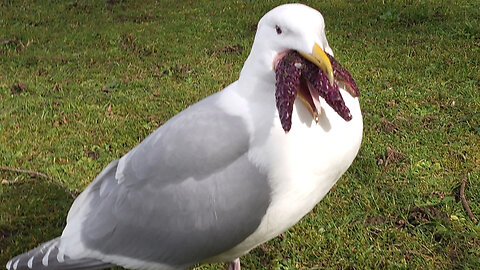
(32, 211)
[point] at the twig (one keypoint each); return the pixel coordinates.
(464, 200)
(39, 174)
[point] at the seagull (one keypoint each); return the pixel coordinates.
(221, 177)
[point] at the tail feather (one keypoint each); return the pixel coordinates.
(46, 256)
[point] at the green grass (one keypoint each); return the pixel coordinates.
(102, 75)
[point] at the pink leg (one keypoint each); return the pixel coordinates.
(235, 265)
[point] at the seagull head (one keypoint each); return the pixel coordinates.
(290, 27)
(287, 28)
(296, 27)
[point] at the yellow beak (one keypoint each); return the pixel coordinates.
(320, 59)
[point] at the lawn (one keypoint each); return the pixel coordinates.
(82, 82)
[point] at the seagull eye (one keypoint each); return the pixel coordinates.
(278, 29)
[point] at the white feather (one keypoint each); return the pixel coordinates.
(15, 264)
(9, 263)
(30, 262)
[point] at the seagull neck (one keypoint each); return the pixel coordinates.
(256, 84)
(258, 66)
(254, 78)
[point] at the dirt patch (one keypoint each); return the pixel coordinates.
(18, 88)
(424, 214)
(233, 49)
(60, 122)
(387, 127)
(230, 49)
(391, 156)
(378, 221)
(93, 155)
(430, 121)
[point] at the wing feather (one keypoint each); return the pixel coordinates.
(186, 193)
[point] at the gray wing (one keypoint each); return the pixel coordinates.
(186, 193)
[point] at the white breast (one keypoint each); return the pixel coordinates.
(303, 165)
